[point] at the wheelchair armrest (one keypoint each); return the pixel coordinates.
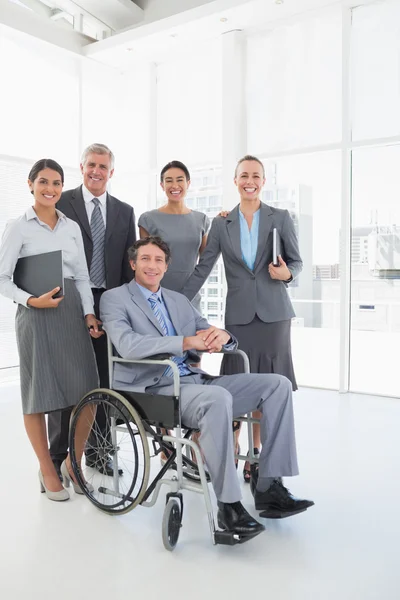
(245, 358)
(154, 361)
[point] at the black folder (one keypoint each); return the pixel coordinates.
(276, 247)
(40, 273)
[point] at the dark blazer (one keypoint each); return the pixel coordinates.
(250, 292)
(120, 233)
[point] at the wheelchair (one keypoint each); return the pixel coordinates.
(135, 419)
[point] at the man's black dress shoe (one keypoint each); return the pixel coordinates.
(234, 517)
(103, 464)
(253, 478)
(277, 502)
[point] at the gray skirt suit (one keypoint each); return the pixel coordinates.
(184, 235)
(258, 308)
(57, 363)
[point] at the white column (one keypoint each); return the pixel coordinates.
(153, 176)
(234, 126)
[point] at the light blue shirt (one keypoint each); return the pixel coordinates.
(179, 360)
(249, 238)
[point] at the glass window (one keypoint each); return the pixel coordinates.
(294, 84)
(36, 122)
(309, 187)
(375, 70)
(189, 112)
(375, 261)
(124, 115)
(213, 291)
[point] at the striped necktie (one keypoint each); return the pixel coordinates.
(156, 308)
(98, 230)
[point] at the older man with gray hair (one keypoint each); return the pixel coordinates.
(108, 230)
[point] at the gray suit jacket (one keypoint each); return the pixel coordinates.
(250, 293)
(136, 333)
(120, 233)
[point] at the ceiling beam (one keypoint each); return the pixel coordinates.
(40, 26)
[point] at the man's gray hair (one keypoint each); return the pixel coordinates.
(98, 149)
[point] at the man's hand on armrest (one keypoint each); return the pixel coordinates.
(214, 339)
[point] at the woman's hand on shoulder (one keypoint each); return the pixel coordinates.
(45, 300)
(223, 213)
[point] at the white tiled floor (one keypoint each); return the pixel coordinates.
(345, 548)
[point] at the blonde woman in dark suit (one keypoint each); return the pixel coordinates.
(258, 307)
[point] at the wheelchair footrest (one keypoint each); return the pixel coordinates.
(230, 538)
(226, 538)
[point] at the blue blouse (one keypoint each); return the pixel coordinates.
(249, 238)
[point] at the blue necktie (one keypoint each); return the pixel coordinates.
(156, 308)
(98, 230)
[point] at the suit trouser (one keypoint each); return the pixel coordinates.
(210, 404)
(58, 421)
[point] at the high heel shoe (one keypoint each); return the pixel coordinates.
(67, 480)
(60, 496)
(237, 452)
(247, 472)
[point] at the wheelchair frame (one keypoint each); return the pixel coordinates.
(175, 445)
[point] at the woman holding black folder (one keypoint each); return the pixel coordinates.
(57, 363)
(258, 308)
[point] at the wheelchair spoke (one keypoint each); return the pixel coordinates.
(123, 440)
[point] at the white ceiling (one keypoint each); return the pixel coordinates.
(158, 40)
(154, 30)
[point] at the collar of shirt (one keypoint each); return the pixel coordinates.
(147, 293)
(256, 219)
(31, 214)
(88, 196)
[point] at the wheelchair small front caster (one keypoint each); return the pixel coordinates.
(171, 523)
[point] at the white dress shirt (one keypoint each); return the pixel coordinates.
(89, 205)
(27, 236)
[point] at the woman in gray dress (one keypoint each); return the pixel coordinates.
(57, 363)
(183, 229)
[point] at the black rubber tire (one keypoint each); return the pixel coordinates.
(125, 414)
(171, 524)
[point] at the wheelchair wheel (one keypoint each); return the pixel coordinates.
(117, 433)
(171, 524)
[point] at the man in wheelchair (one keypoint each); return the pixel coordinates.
(143, 319)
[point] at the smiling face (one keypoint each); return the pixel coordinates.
(175, 185)
(96, 172)
(46, 187)
(150, 266)
(249, 180)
